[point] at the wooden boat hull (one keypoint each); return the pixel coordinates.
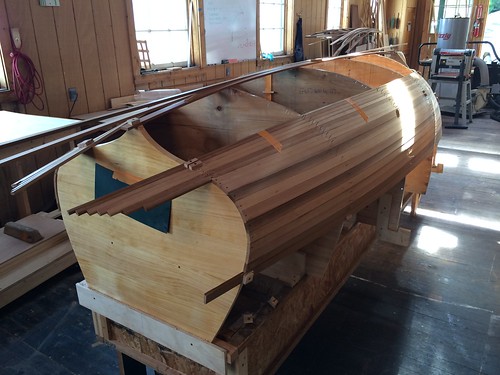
(236, 181)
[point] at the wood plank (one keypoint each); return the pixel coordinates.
(13, 247)
(41, 274)
(87, 44)
(50, 59)
(122, 46)
(106, 49)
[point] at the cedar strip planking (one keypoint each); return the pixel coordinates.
(318, 204)
(261, 250)
(391, 148)
(225, 159)
(262, 193)
(318, 197)
(301, 150)
(300, 182)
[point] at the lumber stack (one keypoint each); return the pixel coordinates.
(25, 265)
(239, 203)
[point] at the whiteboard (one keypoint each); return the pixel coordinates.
(230, 30)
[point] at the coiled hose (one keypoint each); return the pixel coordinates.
(27, 82)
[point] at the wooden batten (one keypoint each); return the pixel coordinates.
(252, 177)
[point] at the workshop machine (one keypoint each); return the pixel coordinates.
(450, 78)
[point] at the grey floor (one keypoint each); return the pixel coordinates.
(431, 308)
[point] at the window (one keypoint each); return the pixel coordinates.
(334, 15)
(272, 26)
(450, 9)
(163, 26)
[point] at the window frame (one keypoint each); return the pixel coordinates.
(198, 48)
(161, 65)
(283, 50)
(341, 8)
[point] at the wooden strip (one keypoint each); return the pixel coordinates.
(319, 209)
(313, 148)
(266, 225)
(272, 249)
(275, 222)
(201, 351)
(28, 180)
(281, 185)
(223, 288)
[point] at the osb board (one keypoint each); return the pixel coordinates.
(156, 356)
(277, 336)
(162, 274)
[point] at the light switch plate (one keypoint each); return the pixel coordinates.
(50, 3)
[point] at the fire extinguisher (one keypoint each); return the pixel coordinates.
(477, 23)
(475, 28)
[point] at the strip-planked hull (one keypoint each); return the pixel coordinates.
(234, 182)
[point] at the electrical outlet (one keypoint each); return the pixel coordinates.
(50, 3)
(73, 94)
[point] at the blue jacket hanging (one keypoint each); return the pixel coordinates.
(298, 54)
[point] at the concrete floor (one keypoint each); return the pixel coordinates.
(431, 308)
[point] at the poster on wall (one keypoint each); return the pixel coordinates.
(230, 30)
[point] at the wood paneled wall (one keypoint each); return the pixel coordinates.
(85, 44)
(82, 44)
(313, 13)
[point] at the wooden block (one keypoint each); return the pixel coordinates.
(22, 232)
